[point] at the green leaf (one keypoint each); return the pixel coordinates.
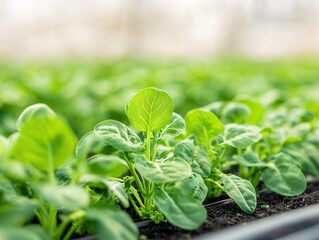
(117, 135)
(107, 165)
(150, 109)
(14, 233)
(203, 124)
(175, 127)
(196, 156)
(185, 150)
(201, 163)
(87, 144)
(114, 187)
(163, 171)
(306, 156)
(241, 191)
(235, 113)
(4, 148)
(69, 197)
(284, 177)
(250, 159)
(112, 223)
(193, 187)
(18, 211)
(257, 111)
(44, 139)
(38, 111)
(182, 211)
(239, 136)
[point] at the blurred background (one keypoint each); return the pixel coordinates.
(85, 58)
(54, 29)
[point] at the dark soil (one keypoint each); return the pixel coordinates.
(226, 214)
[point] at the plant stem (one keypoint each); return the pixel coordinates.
(215, 183)
(61, 229)
(154, 152)
(148, 184)
(51, 176)
(148, 145)
(69, 233)
(134, 205)
(136, 177)
(137, 196)
(224, 152)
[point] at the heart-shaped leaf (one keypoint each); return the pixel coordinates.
(150, 109)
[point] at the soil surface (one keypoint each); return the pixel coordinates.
(226, 214)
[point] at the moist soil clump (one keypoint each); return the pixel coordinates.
(227, 213)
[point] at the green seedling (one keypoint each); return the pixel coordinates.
(160, 185)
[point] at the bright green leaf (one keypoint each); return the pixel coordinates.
(38, 111)
(203, 124)
(257, 111)
(44, 139)
(150, 109)
(4, 148)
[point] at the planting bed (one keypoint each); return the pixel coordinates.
(225, 213)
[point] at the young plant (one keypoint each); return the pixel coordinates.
(42, 151)
(205, 127)
(256, 151)
(160, 185)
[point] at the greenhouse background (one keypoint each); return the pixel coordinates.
(55, 29)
